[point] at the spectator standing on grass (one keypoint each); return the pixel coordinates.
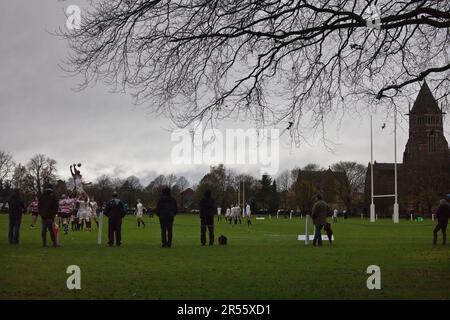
(319, 217)
(48, 209)
(115, 211)
(207, 209)
(16, 208)
(442, 215)
(166, 210)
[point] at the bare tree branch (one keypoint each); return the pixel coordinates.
(270, 61)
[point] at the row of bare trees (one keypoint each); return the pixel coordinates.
(287, 190)
(131, 188)
(29, 177)
(268, 193)
(296, 192)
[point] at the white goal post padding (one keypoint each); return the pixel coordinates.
(302, 237)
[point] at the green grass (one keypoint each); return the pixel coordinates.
(261, 262)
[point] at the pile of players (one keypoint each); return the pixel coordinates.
(233, 214)
(77, 210)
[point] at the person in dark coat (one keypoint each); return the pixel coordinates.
(16, 208)
(442, 215)
(319, 217)
(48, 208)
(166, 210)
(207, 210)
(115, 211)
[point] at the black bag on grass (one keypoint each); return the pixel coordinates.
(223, 240)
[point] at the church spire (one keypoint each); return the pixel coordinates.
(425, 102)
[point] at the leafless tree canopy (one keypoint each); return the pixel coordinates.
(270, 61)
(41, 169)
(6, 165)
(355, 173)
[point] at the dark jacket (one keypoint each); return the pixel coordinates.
(319, 213)
(115, 209)
(443, 213)
(48, 205)
(207, 208)
(16, 205)
(166, 207)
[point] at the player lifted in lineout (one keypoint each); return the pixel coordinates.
(78, 184)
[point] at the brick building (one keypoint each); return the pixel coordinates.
(424, 175)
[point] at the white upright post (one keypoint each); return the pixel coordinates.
(396, 213)
(411, 217)
(372, 204)
(100, 224)
(290, 215)
(306, 230)
(243, 198)
(238, 193)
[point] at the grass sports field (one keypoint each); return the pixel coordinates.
(261, 262)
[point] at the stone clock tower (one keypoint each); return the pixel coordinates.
(426, 141)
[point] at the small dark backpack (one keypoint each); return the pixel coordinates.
(223, 240)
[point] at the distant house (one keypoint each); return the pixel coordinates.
(187, 199)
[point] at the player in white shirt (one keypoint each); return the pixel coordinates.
(94, 208)
(335, 215)
(219, 213)
(233, 214)
(248, 214)
(236, 213)
(140, 213)
(84, 211)
(228, 215)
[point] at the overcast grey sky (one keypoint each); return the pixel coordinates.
(41, 113)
